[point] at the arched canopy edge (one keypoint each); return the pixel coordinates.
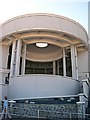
(57, 37)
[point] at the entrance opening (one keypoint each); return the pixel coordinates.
(38, 67)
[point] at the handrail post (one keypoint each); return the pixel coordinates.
(38, 114)
(70, 116)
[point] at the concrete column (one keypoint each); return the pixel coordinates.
(64, 63)
(12, 70)
(86, 85)
(54, 68)
(74, 62)
(18, 57)
(58, 67)
(81, 97)
(23, 59)
(81, 110)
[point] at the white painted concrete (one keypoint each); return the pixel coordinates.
(44, 21)
(82, 63)
(32, 86)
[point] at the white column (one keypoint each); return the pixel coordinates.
(54, 68)
(18, 57)
(12, 70)
(58, 67)
(23, 59)
(74, 62)
(64, 63)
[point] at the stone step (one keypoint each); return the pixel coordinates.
(41, 119)
(20, 119)
(32, 119)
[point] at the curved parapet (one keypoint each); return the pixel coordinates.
(39, 86)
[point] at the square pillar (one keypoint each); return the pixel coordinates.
(64, 62)
(18, 55)
(54, 67)
(81, 110)
(13, 59)
(74, 62)
(23, 59)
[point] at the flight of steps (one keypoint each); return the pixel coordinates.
(88, 108)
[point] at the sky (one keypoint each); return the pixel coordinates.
(76, 10)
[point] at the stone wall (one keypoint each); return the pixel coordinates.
(44, 110)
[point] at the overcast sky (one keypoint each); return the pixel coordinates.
(76, 10)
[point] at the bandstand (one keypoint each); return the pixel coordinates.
(42, 56)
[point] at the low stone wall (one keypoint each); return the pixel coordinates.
(44, 110)
(48, 111)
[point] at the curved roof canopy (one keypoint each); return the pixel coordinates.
(49, 28)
